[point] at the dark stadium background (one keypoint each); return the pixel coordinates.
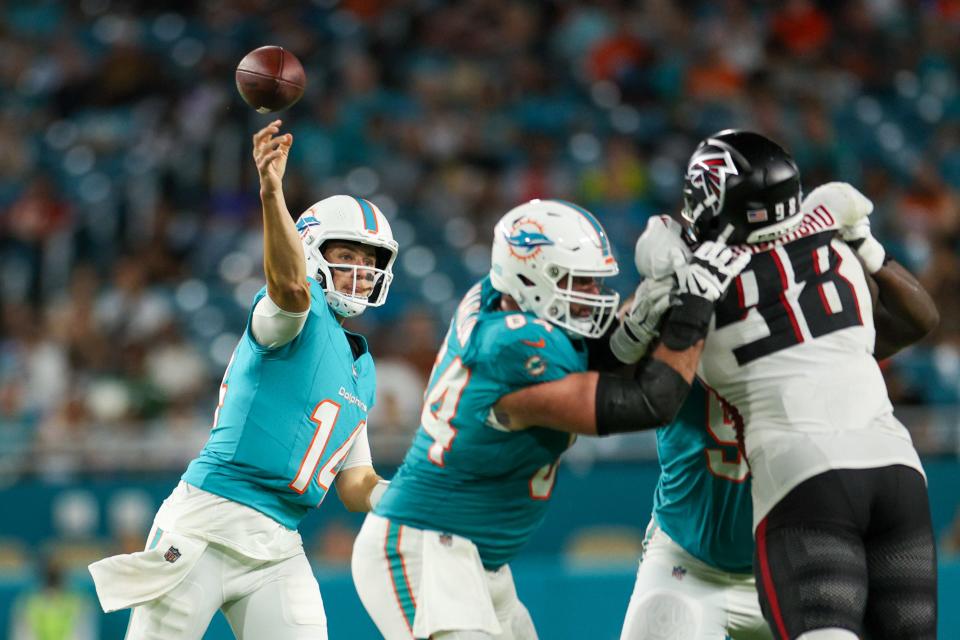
(130, 231)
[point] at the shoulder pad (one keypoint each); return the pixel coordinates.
(518, 331)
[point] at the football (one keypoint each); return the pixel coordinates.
(270, 79)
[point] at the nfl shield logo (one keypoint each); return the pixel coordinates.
(172, 555)
(446, 539)
(679, 572)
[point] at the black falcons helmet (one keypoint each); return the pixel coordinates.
(741, 187)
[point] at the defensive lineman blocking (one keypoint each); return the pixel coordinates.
(695, 580)
(844, 543)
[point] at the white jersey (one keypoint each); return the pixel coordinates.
(790, 349)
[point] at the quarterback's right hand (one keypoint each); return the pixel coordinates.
(270, 153)
(710, 271)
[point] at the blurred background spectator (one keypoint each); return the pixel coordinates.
(54, 611)
(130, 224)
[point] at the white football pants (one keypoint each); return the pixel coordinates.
(388, 571)
(279, 600)
(677, 597)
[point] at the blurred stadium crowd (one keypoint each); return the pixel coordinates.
(130, 243)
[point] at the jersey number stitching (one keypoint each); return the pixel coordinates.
(721, 427)
(325, 415)
(825, 299)
(541, 482)
(440, 407)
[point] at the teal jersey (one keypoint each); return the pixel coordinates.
(703, 495)
(287, 417)
(464, 473)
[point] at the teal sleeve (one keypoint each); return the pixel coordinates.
(532, 354)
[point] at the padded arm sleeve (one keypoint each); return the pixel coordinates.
(651, 400)
(273, 327)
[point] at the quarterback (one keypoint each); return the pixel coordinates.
(291, 421)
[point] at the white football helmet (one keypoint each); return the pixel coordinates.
(355, 220)
(539, 248)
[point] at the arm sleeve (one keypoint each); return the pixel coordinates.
(359, 455)
(272, 327)
(651, 400)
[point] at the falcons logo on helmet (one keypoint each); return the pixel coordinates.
(708, 171)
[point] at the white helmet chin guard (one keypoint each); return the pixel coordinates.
(348, 219)
(539, 249)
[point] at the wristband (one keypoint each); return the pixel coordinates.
(377, 492)
(872, 253)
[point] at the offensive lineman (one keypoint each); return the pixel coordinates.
(695, 580)
(844, 542)
(291, 421)
(431, 560)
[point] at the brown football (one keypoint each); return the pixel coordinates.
(270, 79)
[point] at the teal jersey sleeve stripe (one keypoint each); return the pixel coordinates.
(605, 245)
(369, 217)
(398, 574)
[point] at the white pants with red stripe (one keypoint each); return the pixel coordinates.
(679, 597)
(417, 583)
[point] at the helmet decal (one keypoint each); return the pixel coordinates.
(526, 239)
(708, 171)
(304, 223)
(369, 217)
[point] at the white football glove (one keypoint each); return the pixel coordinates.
(851, 209)
(639, 327)
(660, 250)
(847, 205)
(710, 271)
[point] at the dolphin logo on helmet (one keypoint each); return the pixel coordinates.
(527, 239)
